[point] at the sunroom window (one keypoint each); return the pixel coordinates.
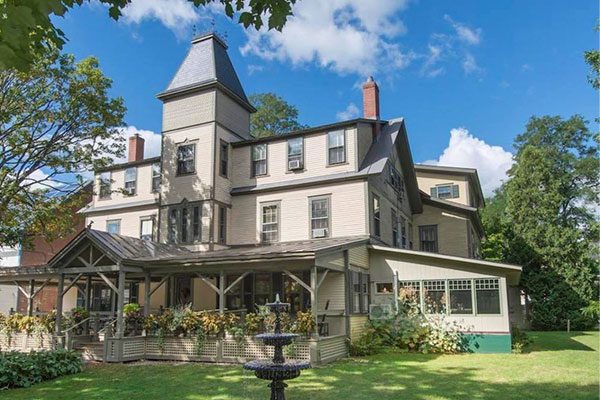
(461, 298)
(434, 296)
(487, 296)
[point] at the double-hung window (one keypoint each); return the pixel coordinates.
(173, 217)
(196, 227)
(376, 216)
(113, 226)
(295, 153)
(222, 225)
(336, 147)
(461, 296)
(186, 159)
(224, 159)
(155, 177)
(428, 238)
(446, 191)
(270, 223)
(184, 225)
(403, 234)
(259, 159)
(104, 182)
(487, 293)
(147, 228)
(319, 217)
(131, 181)
(395, 236)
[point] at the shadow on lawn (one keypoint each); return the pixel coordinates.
(556, 341)
(346, 380)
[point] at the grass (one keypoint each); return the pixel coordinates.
(557, 366)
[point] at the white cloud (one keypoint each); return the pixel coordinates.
(349, 113)
(465, 150)
(253, 68)
(469, 64)
(177, 15)
(152, 144)
(346, 36)
(464, 33)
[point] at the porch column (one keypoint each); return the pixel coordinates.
(222, 292)
(147, 294)
(120, 304)
(87, 301)
(30, 297)
(59, 304)
(313, 298)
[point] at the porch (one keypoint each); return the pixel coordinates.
(310, 275)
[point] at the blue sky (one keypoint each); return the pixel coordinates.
(478, 69)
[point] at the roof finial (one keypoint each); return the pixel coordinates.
(90, 225)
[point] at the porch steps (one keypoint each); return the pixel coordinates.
(90, 351)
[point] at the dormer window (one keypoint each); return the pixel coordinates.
(295, 154)
(336, 147)
(104, 182)
(186, 159)
(259, 159)
(446, 191)
(131, 181)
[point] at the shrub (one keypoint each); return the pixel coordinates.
(520, 340)
(24, 370)
(254, 323)
(79, 314)
(367, 344)
(304, 323)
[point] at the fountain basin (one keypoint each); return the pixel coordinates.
(274, 339)
(269, 370)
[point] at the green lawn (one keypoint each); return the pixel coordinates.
(558, 366)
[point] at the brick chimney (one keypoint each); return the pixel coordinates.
(136, 148)
(371, 99)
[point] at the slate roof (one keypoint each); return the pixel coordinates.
(206, 62)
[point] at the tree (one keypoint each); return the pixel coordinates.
(542, 219)
(273, 116)
(26, 27)
(592, 57)
(56, 121)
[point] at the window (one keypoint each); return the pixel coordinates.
(155, 177)
(376, 216)
(130, 181)
(104, 182)
(263, 288)
(113, 226)
(446, 191)
(336, 145)
(410, 236)
(395, 236)
(186, 159)
(173, 214)
(233, 298)
(270, 223)
(360, 292)
(222, 225)
(224, 159)
(259, 159)
(434, 297)
(396, 180)
(461, 297)
(428, 238)
(295, 153)
(196, 223)
(385, 288)
(487, 296)
(403, 235)
(146, 228)
(184, 225)
(319, 217)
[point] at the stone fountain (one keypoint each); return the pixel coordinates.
(277, 370)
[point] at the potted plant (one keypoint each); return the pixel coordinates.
(133, 318)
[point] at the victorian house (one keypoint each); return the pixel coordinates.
(337, 219)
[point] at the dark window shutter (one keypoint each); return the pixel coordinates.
(455, 191)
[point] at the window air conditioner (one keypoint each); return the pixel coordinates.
(293, 164)
(319, 233)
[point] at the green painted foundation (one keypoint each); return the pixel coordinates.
(487, 342)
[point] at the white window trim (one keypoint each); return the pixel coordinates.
(262, 224)
(329, 214)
